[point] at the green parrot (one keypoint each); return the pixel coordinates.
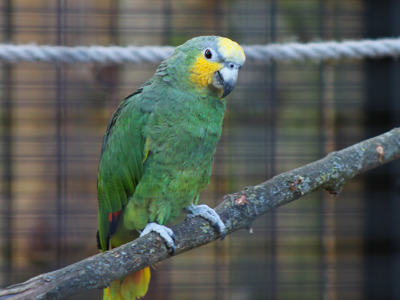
(158, 150)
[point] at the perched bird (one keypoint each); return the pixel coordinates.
(158, 149)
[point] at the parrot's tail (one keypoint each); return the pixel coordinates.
(130, 287)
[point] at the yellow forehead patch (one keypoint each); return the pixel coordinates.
(231, 50)
(203, 71)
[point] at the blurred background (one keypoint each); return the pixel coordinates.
(280, 117)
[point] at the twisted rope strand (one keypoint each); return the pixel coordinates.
(330, 50)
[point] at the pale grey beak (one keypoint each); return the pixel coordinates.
(225, 78)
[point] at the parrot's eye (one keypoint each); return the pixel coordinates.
(208, 54)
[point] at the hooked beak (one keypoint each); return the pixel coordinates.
(225, 78)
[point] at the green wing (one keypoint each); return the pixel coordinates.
(121, 164)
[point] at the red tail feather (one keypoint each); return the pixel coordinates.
(113, 219)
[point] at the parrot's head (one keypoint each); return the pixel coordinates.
(209, 64)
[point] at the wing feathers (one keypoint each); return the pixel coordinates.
(121, 163)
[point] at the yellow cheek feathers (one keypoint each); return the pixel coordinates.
(203, 70)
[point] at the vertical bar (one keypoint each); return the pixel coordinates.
(323, 269)
(167, 11)
(271, 159)
(7, 140)
(326, 142)
(59, 139)
(381, 113)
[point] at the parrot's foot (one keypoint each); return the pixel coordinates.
(166, 234)
(209, 214)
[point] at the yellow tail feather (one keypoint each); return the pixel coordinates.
(130, 287)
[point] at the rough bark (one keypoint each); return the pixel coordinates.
(237, 211)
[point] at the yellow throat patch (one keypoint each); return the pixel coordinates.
(203, 71)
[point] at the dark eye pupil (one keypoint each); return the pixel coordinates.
(208, 54)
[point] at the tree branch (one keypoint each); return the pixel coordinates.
(237, 211)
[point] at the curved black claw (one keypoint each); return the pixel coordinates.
(166, 234)
(210, 215)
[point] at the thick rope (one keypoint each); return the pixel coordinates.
(261, 53)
